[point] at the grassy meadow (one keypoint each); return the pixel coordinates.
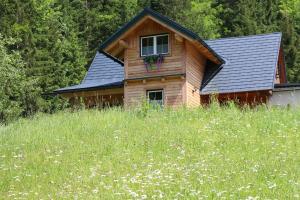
(213, 153)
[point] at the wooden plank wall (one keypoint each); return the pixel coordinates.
(183, 58)
(240, 98)
(100, 98)
(135, 92)
(98, 92)
(134, 64)
(195, 67)
(281, 69)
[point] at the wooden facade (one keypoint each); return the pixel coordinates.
(173, 89)
(195, 66)
(180, 74)
(280, 70)
(97, 98)
(241, 98)
(134, 64)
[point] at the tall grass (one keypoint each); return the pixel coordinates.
(211, 153)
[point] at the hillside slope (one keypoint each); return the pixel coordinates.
(184, 154)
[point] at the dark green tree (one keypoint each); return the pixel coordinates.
(247, 17)
(290, 25)
(18, 93)
(175, 9)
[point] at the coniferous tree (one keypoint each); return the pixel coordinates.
(202, 18)
(290, 25)
(18, 92)
(246, 17)
(175, 9)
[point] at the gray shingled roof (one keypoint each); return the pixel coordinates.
(250, 66)
(250, 63)
(104, 72)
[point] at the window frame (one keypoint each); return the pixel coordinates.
(154, 44)
(156, 90)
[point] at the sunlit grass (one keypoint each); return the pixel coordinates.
(184, 154)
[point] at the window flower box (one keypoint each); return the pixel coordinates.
(153, 62)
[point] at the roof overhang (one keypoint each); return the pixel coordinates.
(266, 92)
(91, 88)
(166, 22)
(286, 87)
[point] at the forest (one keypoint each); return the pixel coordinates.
(49, 44)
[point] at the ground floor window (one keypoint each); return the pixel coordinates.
(156, 97)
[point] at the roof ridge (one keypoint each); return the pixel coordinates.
(244, 36)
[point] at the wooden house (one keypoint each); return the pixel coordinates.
(155, 59)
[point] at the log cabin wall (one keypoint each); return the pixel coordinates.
(195, 67)
(134, 64)
(241, 98)
(280, 76)
(183, 58)
(173, 89)
(97, 98)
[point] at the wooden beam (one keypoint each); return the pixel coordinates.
(144, 81)
(108, 48)
(205, 52)
(178, 38)
(96, 92)
(116, 51)
(270, 92)
(163, 79)
(123, 44)
(169, 76)
(170, 28)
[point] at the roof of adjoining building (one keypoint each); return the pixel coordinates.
(250, 63)
(104, 72)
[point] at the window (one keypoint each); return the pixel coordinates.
(155, 97)
(152, 45)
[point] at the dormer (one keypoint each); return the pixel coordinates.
(160, 55)
(150, 33)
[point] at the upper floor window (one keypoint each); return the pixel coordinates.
(153, 45)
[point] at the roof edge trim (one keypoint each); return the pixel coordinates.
(116, 85)
(236, 92)
(277, 57)
(211, 77)
(112, 57)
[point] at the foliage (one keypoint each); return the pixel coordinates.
(202, 18)
(246, 17)
(153, 62)
(175, 9)
(291, 26)
(187, 154)
(18, 94)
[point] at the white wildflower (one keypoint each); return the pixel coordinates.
(95, 191)
(133, 194)
(252, 198)
(271, 185)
